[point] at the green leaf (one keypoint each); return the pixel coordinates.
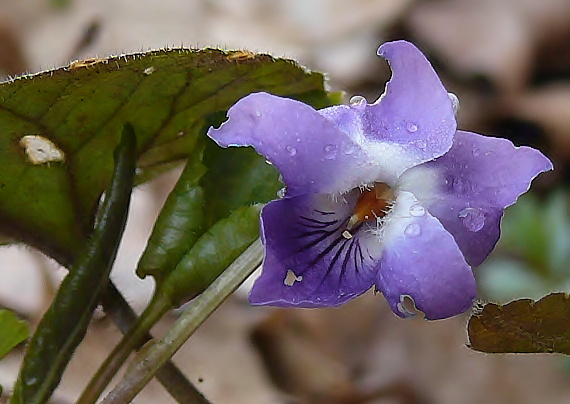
(65, 323)
(523, 326)
(13, 331)
(210, 255)
(200, 206)
(234, 178)
(59, 129)
(180, 223)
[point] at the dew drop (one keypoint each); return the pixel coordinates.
(421, 144)
(411, 127)
(281, 193)
(258, 114)
(458, 185)
(454, 103)
(413, 230)
(357, 100)
(349, 148)
(476, 152)
(291, 150)
(417, 210)
(330, 151)
(472, 218)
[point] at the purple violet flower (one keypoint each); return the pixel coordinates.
(386, 194)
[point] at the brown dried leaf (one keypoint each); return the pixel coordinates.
(523, 326)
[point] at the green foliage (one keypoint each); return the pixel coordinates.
(60, 127)
(59, 131)
(530, 260)
(60, 3)
(65, 323)
(532, 256)
(523, 326)
(204, 224)
(213, 252)
(13, 331)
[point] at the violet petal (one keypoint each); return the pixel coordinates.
(415, 111)
(413, 122)
(422, 261)
(309, 151)
(476, 180)
(309, 262)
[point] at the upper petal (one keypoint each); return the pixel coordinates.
(308, 261)
(422, 261)
(411, 123)
(472, 184)
(310, 152)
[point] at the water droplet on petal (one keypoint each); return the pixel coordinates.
(281, 193)
(291, 150)
(413, 230)
(475, 152)
(330, 151)
(472, 218)
(357, 100)
(458, 185)
(454, 103)
(411, 127)
(417, 210)
(421, 144)
(258, 114)
(349, 148)
(347, 235)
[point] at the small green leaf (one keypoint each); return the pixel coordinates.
(65, 323)
(59, 129)
(178, 226)
(523, 326)
(13, 331)
(200, 205)
(211, 255)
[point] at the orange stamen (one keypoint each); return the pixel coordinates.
(371, 204)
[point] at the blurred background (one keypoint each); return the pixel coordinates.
(509, 63)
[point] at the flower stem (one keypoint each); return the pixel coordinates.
(130, 341)
(170, 376)
(148, 364)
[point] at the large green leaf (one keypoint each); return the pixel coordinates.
(12, 331)
(59, 129)
(523, 326)
(65, 323)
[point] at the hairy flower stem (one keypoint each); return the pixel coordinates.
(204, 305)
(171, 378)
(130, 341)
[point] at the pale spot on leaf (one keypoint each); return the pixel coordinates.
(41, 150)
